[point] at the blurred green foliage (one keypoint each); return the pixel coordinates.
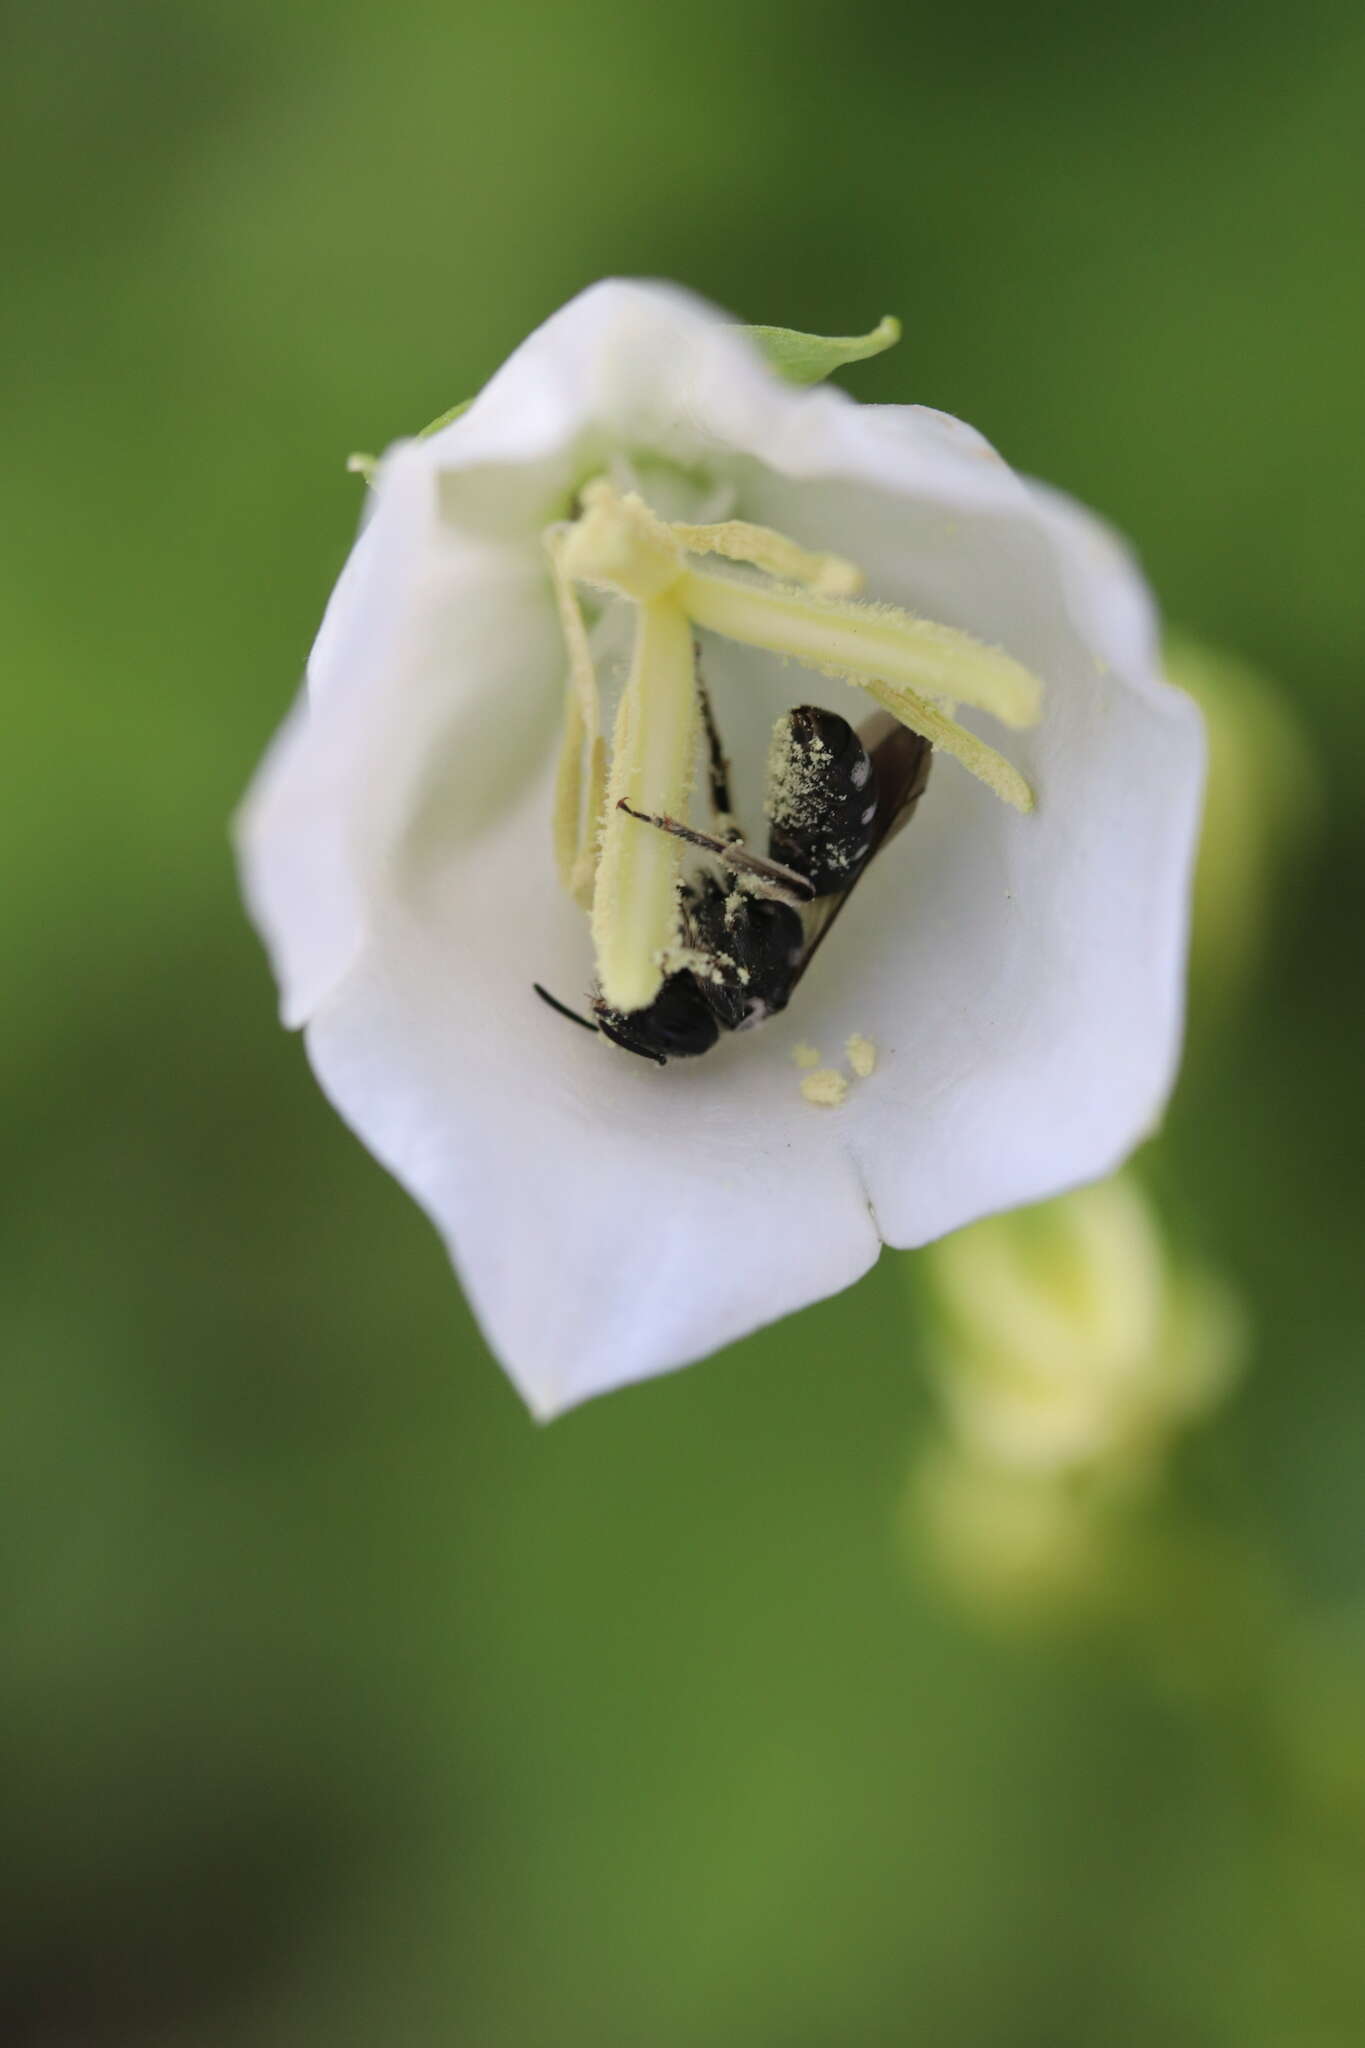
(340, 1704)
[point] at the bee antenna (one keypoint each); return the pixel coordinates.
(562, 1008)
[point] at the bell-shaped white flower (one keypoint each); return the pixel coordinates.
(1007, 979)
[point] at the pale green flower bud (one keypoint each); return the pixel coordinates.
(1068, 1340)
(1013, 1548)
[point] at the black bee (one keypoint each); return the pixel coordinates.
(835, 797)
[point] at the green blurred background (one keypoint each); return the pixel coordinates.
(340, 1703)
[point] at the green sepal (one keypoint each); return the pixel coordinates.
(435, 426)
(367, 465)
(800, 358)
(809, 358)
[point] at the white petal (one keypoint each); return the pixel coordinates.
(431, 695)
(610, 1219)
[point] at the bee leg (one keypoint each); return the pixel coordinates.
(717, 767)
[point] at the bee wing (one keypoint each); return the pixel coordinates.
(901, 761)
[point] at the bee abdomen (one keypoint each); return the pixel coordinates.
(822, 798)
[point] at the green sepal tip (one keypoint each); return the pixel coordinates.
(809, 358)
(444, 419)
(368, 465)
(800, 358)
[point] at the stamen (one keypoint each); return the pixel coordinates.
(853, 640)
(949, 737)
(635, 902)
(576, 823)
(739, 541)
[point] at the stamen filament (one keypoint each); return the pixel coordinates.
(856, 640)
(635, 902)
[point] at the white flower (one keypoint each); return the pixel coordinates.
(1019, 975)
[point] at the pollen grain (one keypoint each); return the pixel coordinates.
(861, 1055)
(826, 1087)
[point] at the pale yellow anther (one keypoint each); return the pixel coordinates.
(617, 543)
(736, 540)
(949, 737)
(635, 902)
(843, 638)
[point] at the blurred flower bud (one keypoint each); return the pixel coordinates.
(1012, 1547)
(1067, 1341)
(1259, 806)
(1321, 1713)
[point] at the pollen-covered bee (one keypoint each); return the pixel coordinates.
(835, 796)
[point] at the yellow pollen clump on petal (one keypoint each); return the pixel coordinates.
(861, 1055)
(826, 1087)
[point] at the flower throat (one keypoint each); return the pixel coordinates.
(619, 828)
